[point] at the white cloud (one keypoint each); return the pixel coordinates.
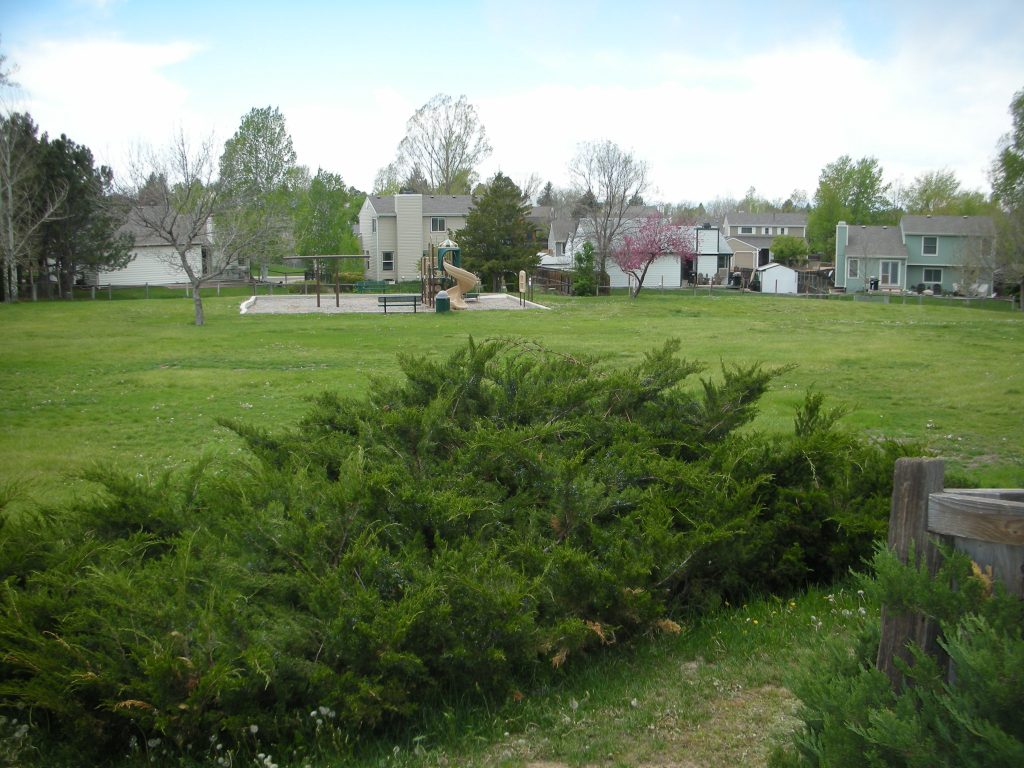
(107, 94)
(352, 138)
(770, 119)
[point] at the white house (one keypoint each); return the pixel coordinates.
(397, 231)
(777, 278)
(712, 261)
(155, 262)
(750, 235)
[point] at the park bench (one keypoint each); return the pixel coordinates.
(371, 286)
(400, 299)
(471, 296)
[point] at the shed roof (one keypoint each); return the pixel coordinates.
(774, 265)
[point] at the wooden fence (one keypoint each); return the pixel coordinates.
(987, 525)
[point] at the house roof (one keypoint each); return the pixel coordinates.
(144, 235)
(433, 205)
(755, 241)
(875, 241)
(741, 219)
(975, 226)
(563, 226)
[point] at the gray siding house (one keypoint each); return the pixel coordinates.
(938, 253)
(396, 231)
(750, 235)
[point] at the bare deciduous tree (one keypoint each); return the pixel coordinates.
(609, 179)
(25, 206)
(188, 211)
(445, 141)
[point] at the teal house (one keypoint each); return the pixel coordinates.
(941, 254)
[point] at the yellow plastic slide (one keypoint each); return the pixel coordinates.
(464, 283)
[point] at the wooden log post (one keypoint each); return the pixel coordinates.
(913, 481)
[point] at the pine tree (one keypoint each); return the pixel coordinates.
(498, 239)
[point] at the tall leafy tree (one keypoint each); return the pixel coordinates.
(939, 193)
(259, 176)
(547, 195)
(324, 215)
(445, 141)
(86, 230)
(851, 191)
(1008, 168)
(498, 238)
(608, 179)
(27, 200)
(1008, 192)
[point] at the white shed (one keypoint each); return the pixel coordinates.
(664, 272)
(776, 278)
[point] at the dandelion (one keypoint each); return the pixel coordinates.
(153, 743)
(254, 729)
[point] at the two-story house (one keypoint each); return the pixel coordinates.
(938, 253)
(397, 230)
(750, 235)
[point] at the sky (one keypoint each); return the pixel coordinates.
(716, 97)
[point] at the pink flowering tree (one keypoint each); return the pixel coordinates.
(653, 238)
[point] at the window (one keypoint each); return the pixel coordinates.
(932, 275)
(387, 261)
(373, 226)
(437, 224)
(782, 230)
(853, 268)
(929, 246)
(890, 273)
(767, 231)
(746, 230)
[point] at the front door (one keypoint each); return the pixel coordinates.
(890, 274)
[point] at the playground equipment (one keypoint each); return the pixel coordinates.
(442, 270)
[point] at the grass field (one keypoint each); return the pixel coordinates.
(134, 383)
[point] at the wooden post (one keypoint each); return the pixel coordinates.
(913, 481)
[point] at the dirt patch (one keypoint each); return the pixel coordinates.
(741, 729)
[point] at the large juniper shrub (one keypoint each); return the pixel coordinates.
(460, 532)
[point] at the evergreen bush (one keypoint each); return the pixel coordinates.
(461, 532)
(961, 711)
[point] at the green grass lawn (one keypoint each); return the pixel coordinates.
(134, 383)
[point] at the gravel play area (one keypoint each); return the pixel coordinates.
(347, 302)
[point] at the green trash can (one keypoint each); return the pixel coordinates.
(442, 303)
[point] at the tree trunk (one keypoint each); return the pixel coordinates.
(197, 302)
